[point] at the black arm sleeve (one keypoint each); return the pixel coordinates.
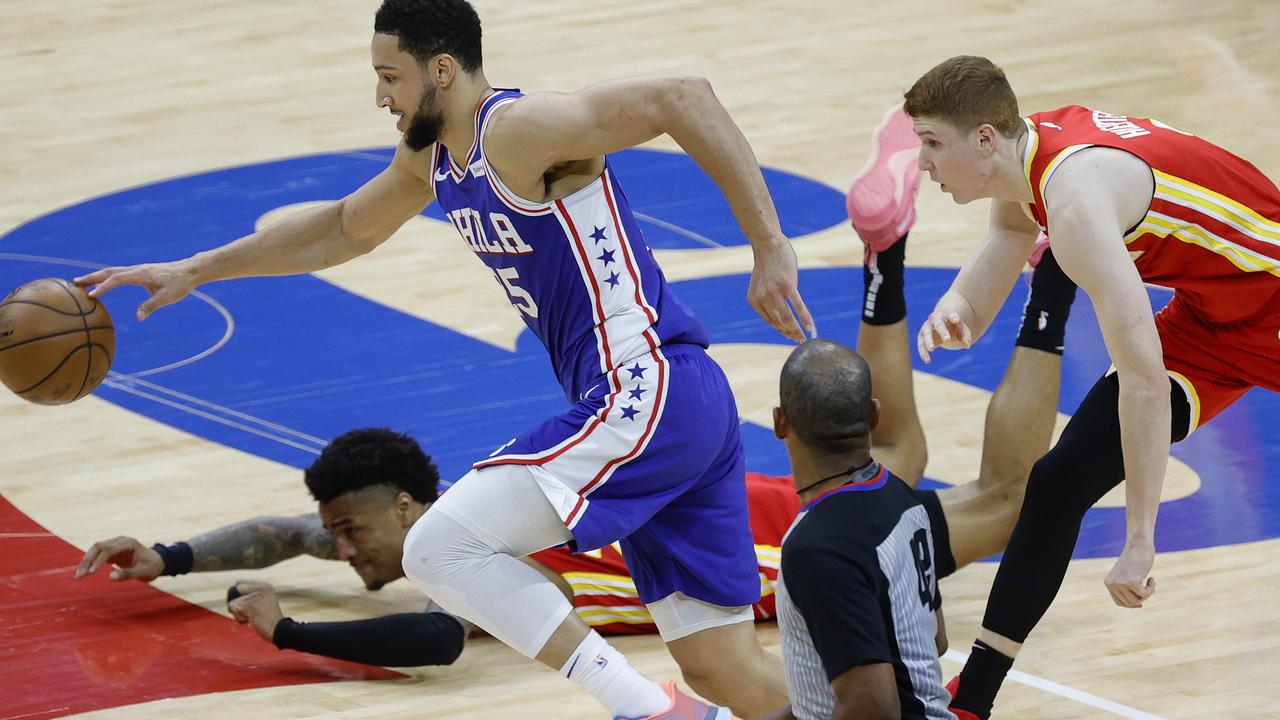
(405, 640)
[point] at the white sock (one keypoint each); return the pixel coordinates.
(602, 671)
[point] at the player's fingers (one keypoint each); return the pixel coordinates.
(782, 320)
(94, 277)
(117, 278)
(920, 345)
(242, 607)
(802, 310)
(965, 335)
(91, 561)
(1146, 590)
(153, 303)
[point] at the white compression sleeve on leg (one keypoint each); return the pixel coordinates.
(463, 553)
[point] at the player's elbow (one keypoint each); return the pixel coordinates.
(687, 94)
(354, 238)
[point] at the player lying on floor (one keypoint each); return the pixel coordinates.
(371, 485)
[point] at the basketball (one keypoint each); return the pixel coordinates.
(56, 342)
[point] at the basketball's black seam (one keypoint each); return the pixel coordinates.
(52, 372)
(88, 339)
(90, 348)
(59, 334)
(50, 308)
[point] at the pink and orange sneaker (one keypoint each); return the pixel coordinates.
(882, 200)
(684, 707)
(1037, 252)
(952, 687)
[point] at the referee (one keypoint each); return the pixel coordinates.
(858, 601)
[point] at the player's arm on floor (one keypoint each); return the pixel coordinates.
(967, 309)
(306, 241)
(403, 640)
(257, 543)
(543, 130)
(1092, 198)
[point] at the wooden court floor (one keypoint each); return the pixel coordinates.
(97, 97)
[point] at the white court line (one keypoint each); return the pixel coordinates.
(700, 239)
(122, 378)
(226, 335)
(6, 536)
(123, 387)
(1069, 693)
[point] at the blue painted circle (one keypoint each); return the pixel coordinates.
(308, 360)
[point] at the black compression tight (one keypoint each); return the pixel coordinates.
(1083, 466)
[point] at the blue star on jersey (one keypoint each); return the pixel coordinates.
(630, 413)
(597, 234)
(636, 371)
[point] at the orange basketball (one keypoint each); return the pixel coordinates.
(56, 342)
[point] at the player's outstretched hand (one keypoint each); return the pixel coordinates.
(1129, 582)
(132, 560)
(258, 607)
(775, 290)
(942, 331)
(167, 282)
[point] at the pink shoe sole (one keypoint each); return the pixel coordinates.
(1037, 252)
(881, 201)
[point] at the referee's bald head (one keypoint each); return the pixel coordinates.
(825, 393)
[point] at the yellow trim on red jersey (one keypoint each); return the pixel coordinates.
(589, 583)
(1063, 154)
(1218, 206)
(1192, 397)
(596, 615)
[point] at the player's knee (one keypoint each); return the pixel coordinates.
(1054, 485)
(436, 552)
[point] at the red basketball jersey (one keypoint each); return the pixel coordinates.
(1212, 233)
(605, 596)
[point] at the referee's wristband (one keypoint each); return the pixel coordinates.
(178, 558)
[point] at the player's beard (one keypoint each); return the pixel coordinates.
(424, 127)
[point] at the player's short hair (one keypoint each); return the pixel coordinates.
(966, 91)
(825, 391)
(427, 28)
(367, 457)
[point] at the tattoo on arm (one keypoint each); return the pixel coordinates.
(262, 542)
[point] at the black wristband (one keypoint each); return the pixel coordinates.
(285, 634)
(178, 558)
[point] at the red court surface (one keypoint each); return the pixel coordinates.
(71, 646)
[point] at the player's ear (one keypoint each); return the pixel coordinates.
(780, 427)
(442, 70)
(874, 418)
(404, 508)
(987, 138)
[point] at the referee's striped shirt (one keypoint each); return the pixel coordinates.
(857, 587)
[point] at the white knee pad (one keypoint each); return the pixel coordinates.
(463, 555)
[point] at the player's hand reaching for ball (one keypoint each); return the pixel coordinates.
(256, 605)
(132, 560)
(946, 327)
(167, 282)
